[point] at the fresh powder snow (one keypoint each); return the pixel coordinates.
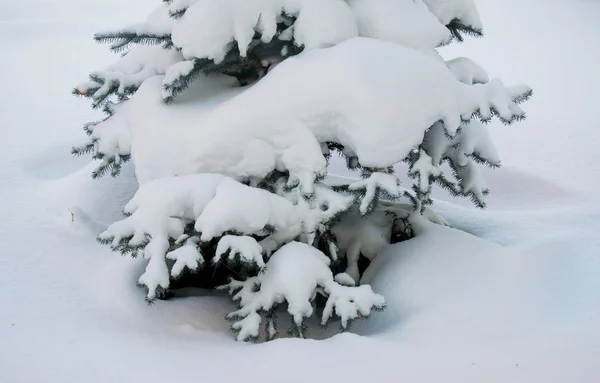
(515, 300)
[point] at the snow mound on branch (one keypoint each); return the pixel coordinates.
(244, 209)
(243, 246)
(405, 22)
(209, 26)
(378, 109)
(323, 23)
(467, 71)
(161, 209)
(194, 138)
(292, 275)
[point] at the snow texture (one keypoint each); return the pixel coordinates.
(292, 275)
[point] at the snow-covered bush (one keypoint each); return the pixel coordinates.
(230, 111)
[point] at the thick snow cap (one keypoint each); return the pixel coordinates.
(381, 100)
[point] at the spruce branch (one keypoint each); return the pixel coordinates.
(88, 148)
(458, 29)
(125, 38)
(109, 165)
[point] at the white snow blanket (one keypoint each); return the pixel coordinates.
(71, 313)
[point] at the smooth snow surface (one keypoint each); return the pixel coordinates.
(528, 312)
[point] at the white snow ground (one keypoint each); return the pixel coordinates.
(527, 313)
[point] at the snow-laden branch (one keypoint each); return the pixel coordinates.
(243, 209)
(425, 170)
(293, 276)
(208, 27)
(217, 205)
(472, 140)
(109, 142)
(246, 248)
(493, 99)
(378, 108)
(155, 30)
(470, 146)
(244, 37)
(315, 212)
(187, 256)
(126, 75)
(161, 209)
(376, 182)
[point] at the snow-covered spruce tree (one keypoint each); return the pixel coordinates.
(230, 110)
